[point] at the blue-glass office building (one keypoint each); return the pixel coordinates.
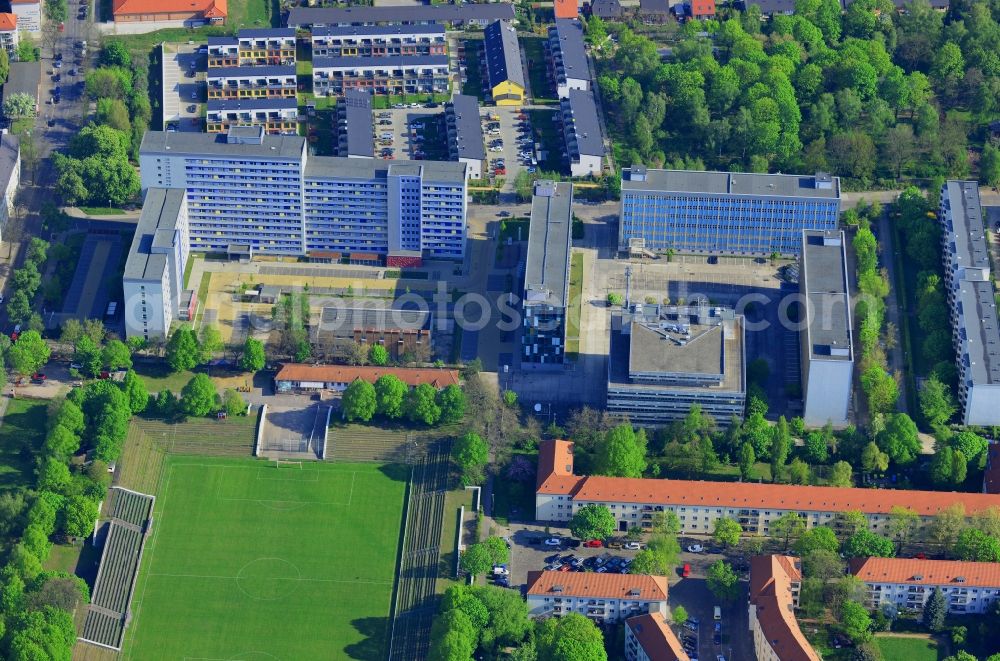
(727, 213)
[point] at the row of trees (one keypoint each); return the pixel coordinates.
(37, 605)
(187, 350)
(485, 622)
(865, 93)
(391, 398)
(24, 284)
(98, 169)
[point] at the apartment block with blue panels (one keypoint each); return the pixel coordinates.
(264, 192)
(724, 212)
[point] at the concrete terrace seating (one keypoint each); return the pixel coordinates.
(107, 614)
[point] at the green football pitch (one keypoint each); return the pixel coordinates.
(252, 562)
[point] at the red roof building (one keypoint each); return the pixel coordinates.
(991, 478)
(968, 587)
(774, 593)
(702, 9)
(566, 9)
(603, 597)
(650, 638)
(189, 12)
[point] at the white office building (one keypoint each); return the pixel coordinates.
(826, 339)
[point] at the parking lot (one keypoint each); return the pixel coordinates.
(401, 139)
(184, 69)
(528, 553)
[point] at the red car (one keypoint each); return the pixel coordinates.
(62, 27)
(686, 570)
(566, 567)
(920, 556)
(593, 543)
(38, 377)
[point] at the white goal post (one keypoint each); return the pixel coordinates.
(287, 463)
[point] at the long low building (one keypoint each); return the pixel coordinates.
(276, 116)
(650, 638)
(472, 13)
(698, 504)
(294, 376)
(568, 57)
(665, 359)
(582, 133)
(253, 47)
(378, 41)
(390, 74)
(972, 299)
(724, 212)
(968, 587)
(502, 61)
(252, 82)
(775, 581)
(601, 597)
(465, 134)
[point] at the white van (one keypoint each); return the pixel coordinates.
(717, 613)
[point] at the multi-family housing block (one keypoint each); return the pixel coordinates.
(581, 133)
(504, 72)
(698, 504)
(456, 15)
(381, 74)
(568, 57)
(650, 638)
(154, 271)
(968, 587)
(775, 581)
(665, 359)
(601, 597)
(10, 177)
(971, 298)
(546, 275)
(279, 115)
(825, 340)
(465, 134)
(9, 34)
(270, 81)
(724, 212)
(253, 48)
(354, 128)
(378, 40)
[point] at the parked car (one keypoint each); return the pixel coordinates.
(633, 546)
(716, 639)
(502, 582)
(552, 558)
(695, 548)
(685, 570)
(691, 625)
(717, 613)
(553, 541)
(500, 570)
(566, 568)
(38, 377)
(717, 627)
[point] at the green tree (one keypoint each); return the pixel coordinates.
(571, 637)
(113, 113)
(727, 532)
(788, 526)
(989, 166)
(198, 396)
(4, 66)
(781, 446)
(814, 539)
(378, 355)
(593, 522)
(390, 391)
(799, 472)
(108, 83)
(55, 10)
(899, 439)
(874, 460)
(20, 104)
(978, 546)
(252, 358)
(855, 621)
(903, 523)
(665, 523)
(100, 141)
(421, 405)
(28, 354)
(816, 449)
(747, 460)
(116, 355)
(210, 343)
(623, 453)
(881, 389)
(53, 475)
(841, 475)
(78, 516)
(61, 443)
(451, 401)
(183, 352)
(935, 610)
(679, 615)
(823, 565)
(116, 54)
(89, 356)
(866, 544)
(135, 390)
(723, 581)
(972, 446)
(43, 634)
(453, 637)
(232, 403)
(948, 467)
(26, 51)
(936, 402)
(471, 453)
(478, 559)
(359, 401)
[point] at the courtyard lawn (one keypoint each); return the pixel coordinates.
(251, 560)
(911, 649)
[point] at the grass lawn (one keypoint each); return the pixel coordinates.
(102, 211)
(21, 437)
(911, 649)
(249, 14)
(251, 561)
(538, 72)
(157, 377)
(575, 304)
(453, 500)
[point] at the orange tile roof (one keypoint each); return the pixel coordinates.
(566, 9)
(8, 22)
(933, 572)
(592, 584)
(439, 378)
(208, 8)
(991, 478)
(25, 2)
(771, 578)
(555, 463)
(656, 638)
(755, 495)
